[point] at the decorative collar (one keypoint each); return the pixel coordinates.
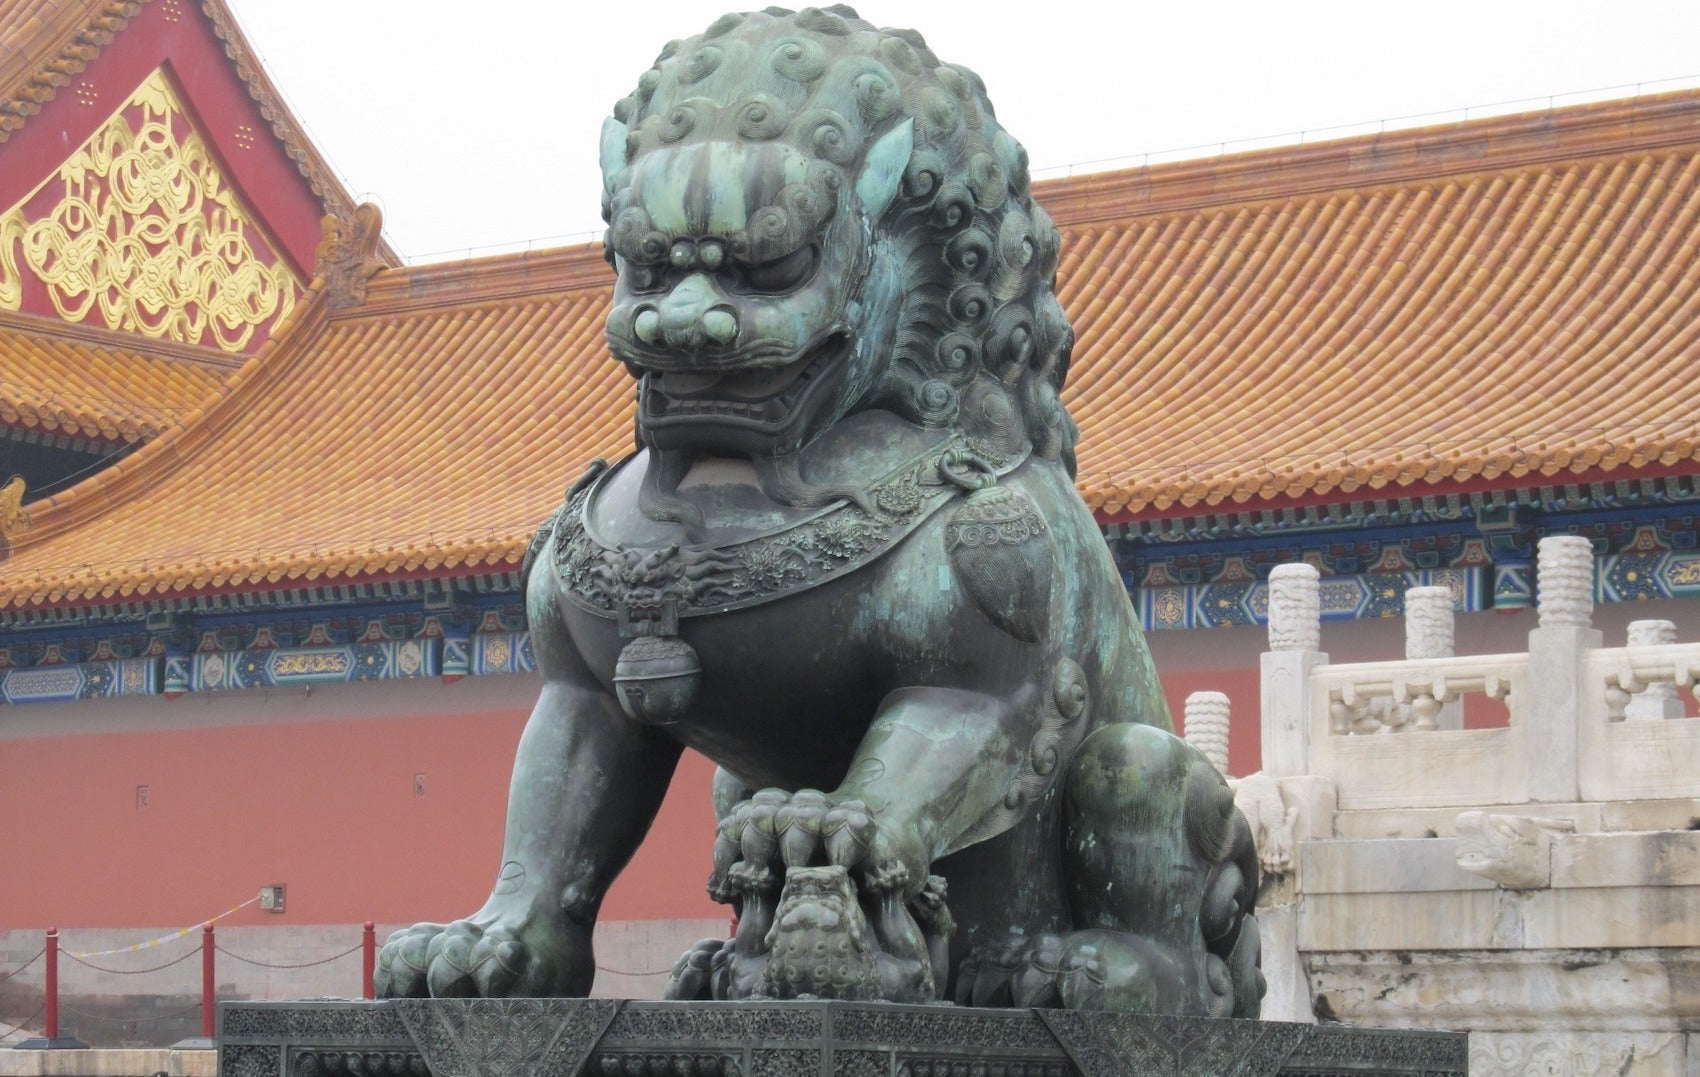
(649, 588)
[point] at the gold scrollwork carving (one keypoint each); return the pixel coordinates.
(310, 664)
(1684, 573)
(148, 235)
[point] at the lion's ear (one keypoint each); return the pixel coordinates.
(882, 171)
(614, 166)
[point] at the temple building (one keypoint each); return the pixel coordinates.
(260, 620)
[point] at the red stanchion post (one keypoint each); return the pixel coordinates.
(52, 984)
(368, 960)
(209, 986)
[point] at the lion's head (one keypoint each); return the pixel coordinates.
(811, 217)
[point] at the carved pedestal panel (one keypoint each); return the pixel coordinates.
(607, 1038)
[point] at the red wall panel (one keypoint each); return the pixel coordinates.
(327, 808)
(1243, 687)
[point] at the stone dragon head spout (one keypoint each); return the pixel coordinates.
(811, 217)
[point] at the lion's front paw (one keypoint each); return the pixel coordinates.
(775, 831)
(808, 871)
(483, 956)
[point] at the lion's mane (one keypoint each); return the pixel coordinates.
(982, 343)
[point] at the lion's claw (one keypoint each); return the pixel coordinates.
(695, 973)
(848, 830)
(472, 958)
(798, 825)
(402, 964)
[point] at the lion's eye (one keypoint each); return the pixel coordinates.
(783, 274)
(645, 278)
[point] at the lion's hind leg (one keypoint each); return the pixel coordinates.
(1162, 876)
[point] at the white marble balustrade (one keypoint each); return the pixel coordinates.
(1583, 718)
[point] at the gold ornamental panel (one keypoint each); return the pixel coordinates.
(140, 231)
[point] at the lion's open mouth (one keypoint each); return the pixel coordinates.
(764, 397)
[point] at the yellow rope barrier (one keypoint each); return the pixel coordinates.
(163, 939)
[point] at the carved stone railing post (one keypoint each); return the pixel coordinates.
(1557, 647)
(1295, 608)
(1429, 633)
(1285, 803)
(1295, 642)
(1206, 726)
(1658, 700)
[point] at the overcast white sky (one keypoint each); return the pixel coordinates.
(474, 125)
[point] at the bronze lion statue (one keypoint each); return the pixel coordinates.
(847, 563)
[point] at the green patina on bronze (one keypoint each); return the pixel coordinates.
(848, 564)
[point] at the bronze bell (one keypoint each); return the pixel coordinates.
(656, 679)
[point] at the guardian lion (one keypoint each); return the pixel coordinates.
(847, 563)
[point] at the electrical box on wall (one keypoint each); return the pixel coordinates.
(271, 898)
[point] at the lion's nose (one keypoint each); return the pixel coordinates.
(721, 325)
(690, 317)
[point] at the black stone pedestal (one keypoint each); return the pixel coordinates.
(607, 1038)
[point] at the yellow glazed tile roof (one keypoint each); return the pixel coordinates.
(412, 435)
(1489, 326)
(97, 386)
(45, 42)
(1507, 302)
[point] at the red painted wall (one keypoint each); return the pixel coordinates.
(327, 808)
(1243, 686)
